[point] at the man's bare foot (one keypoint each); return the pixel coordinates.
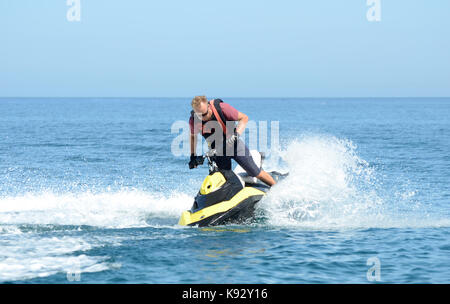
(266, 178)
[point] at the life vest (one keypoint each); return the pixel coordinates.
(217, 116)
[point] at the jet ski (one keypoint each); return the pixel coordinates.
(227, 196)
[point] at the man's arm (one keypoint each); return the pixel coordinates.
(195, 160)
(193, 143)
(242, 122)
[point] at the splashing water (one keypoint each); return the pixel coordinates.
(122, 209)
(41, 234)
(330, 186)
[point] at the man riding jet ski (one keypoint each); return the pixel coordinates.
(215, 120)
(222, 185)
(226, 196)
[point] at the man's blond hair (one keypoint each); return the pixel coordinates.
(197, 100)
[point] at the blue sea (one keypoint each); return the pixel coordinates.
(91, 190)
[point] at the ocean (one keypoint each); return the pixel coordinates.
(91, 190)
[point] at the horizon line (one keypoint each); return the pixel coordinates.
(226, 97)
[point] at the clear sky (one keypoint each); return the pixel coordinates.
(233, 48)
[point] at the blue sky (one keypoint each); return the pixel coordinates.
(143, 48)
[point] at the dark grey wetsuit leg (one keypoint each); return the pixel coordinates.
(242, 156)
(223, 162)
(244, 159)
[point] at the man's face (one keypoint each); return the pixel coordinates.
(202, 111)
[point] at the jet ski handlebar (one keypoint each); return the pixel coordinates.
(199, 160)
(209, 155)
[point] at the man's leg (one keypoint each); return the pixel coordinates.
(223, 162)
(245, 160)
